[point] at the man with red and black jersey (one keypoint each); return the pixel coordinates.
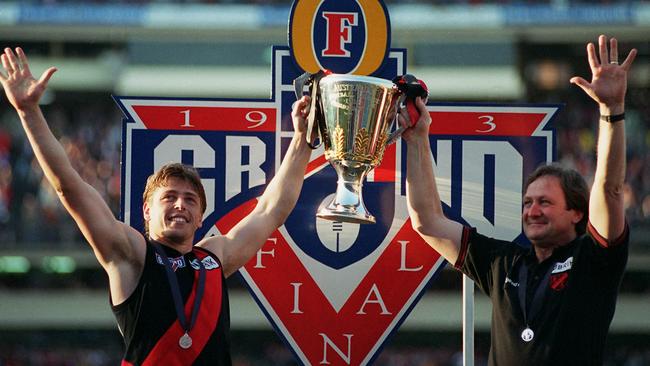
(150, 324)
(552, 303)
(168, 293)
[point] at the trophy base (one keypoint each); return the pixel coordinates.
(344, 215)
(347, 204)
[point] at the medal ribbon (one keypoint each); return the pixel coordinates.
(167, 350)
(536, 303)
(176, 292)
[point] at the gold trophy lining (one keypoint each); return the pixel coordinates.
(361, 144)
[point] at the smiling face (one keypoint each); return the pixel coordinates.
(174, 212)
(179, 179)
(546, 219)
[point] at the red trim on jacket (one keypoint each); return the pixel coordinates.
(464, 246)
(602, 241)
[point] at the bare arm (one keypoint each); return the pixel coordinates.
(108, 237)
(424, 205)
(607, 88)
(274, 206)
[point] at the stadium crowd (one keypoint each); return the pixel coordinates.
(29, 209)
(576, 146)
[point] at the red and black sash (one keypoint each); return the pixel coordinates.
(167, 350)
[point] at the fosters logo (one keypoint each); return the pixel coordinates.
(342, 36)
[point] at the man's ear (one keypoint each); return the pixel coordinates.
(577, 216)
(145, 211)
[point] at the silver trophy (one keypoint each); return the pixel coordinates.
(354, 115)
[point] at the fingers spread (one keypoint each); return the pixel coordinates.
(6, 64)
(628, 61)
(591, 56)
(23, 59)
(13, 62)
(613, 51)
(602, 48)
(580, 82)
(47, 74)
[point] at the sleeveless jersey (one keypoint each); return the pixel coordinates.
(149, 323)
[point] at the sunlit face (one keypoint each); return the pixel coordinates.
(547, 221)
(174, 212)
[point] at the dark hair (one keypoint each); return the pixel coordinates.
(174, 170)
(576, 192)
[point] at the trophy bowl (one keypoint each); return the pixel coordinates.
(356, 115)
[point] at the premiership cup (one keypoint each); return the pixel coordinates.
(354, 116)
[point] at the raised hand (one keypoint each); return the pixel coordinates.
(299, 112)
(419, 128)
(22, 89)
(609, 78)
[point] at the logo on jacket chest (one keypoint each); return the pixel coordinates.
(560, 274)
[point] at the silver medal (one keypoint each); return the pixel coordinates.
(527, 335)
(185, 341)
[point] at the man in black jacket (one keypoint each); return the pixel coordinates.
(552, 303)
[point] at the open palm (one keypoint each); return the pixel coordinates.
(22, 89)
(609, 79)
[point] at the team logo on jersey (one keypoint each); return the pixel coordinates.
(341, 36)
(208, 262)
(177, 262)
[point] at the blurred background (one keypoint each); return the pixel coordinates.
(54, 308)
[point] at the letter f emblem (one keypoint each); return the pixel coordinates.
(339, 33)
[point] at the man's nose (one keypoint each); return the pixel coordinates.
(179, 204)
(534, 209)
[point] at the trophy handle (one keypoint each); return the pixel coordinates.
(411, 88)
(299, 84)
(399, 106)
(311, 118)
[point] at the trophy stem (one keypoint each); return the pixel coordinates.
(347, 205)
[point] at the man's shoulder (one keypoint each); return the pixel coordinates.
(498, 249)
(508, 245)
(213, 245)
